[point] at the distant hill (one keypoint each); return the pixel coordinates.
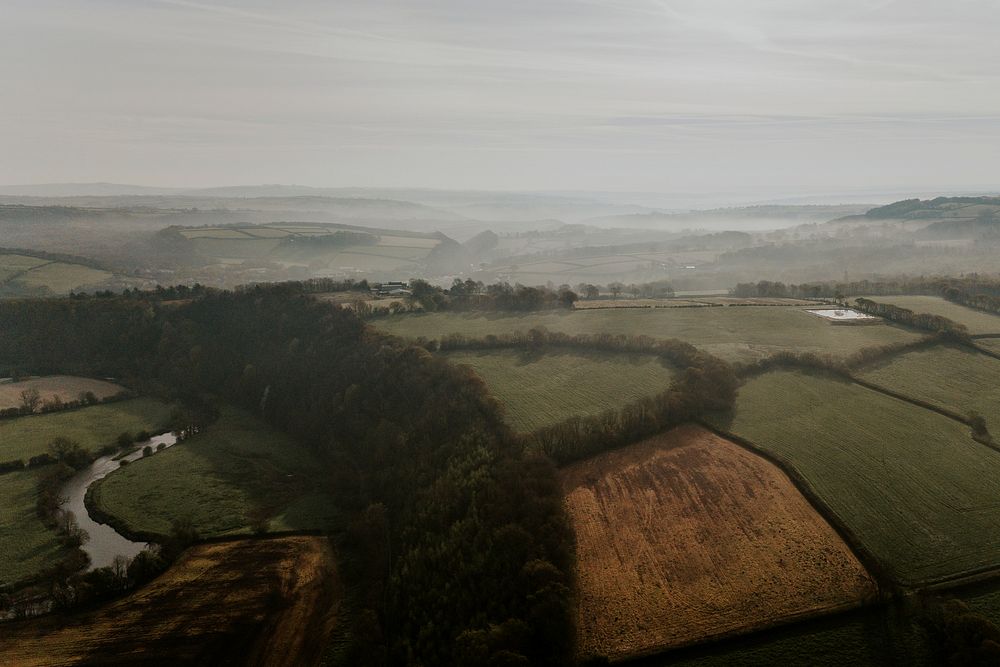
(79, 190)
(967, 208)
(746, 218)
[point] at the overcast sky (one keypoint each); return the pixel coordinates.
(654, 95)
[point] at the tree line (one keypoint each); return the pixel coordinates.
(705, 384)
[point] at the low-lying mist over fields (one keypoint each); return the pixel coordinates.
(541, 333)
(229, 236)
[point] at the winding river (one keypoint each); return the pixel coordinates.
(105, 542)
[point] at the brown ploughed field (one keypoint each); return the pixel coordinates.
(259, 602)
(687, 537)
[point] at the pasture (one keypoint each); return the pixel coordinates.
(223, 479)
(976, 321)
(951, 377)
(66, 387)
(541, 389)
(732, 333)
(686, 537)
(910, 484)
(259, 602)
(93, 427)
(26, 545)
(33, 275)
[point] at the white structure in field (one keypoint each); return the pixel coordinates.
(842, 314)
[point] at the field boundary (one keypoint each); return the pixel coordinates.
(885, 584)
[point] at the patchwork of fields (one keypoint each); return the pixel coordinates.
(260, 602)
(26, 275)
(958, 379)
(238, 470)
(911, 485)
(687, 536)
(976, 321)
(92, 427)
(66, 387)
(542, 389)
(732, 333)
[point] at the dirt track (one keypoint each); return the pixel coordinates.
(259, 602)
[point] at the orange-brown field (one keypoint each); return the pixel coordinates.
(687, 537)
(253, 602)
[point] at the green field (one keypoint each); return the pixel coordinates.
(29, 274)
(977, 321)
(735, 334)
(220, 479)
(543, 389)
(11, 265)
(26, 545)
(93, 427)
(910, 484)
(953, 378)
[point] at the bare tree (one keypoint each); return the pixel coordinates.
(30, 400)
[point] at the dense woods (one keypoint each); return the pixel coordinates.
(461, 550)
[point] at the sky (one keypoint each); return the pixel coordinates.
(614, 95)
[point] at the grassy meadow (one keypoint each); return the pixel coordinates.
(977, 321)
(543, 389)
(950, 377)
(93, 427)
(26, 545)
(221, 479)
(25, 273)
(910, 484)
(733, 333)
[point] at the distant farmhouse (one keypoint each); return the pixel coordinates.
(393, 288)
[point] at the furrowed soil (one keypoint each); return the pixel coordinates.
(259, 602)
(688, 537)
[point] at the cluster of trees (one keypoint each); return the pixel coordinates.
(923, 321)
(834, 364)
(467, 553)
(474, 295)
(959, 636)
(972, 290)
(988, 301)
